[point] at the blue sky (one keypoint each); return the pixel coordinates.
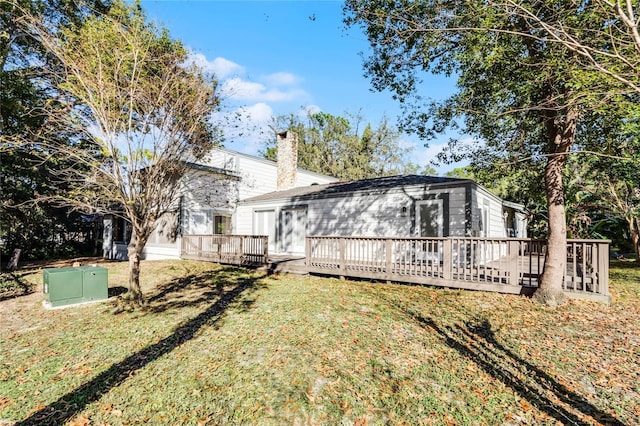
(279, 57)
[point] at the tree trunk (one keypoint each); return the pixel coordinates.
(561, 136)
(134, 250)
(634, 232)
(550, 289)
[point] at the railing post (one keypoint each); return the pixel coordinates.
(603, 268)
(388, 262)
(514, 274)
(447, 258)
(199, 246)
(343, 266)
(265, 249)
(307, 250)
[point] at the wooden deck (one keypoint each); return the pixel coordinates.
(500, 265)
(248, 250)
(505, 265)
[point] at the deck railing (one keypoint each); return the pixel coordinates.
(233, 249)
(505, 265)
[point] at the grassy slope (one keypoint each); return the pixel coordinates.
(224, 345)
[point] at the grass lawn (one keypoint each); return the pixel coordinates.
(223, 345)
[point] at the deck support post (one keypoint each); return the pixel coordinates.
(388, 264)
(343, 265)
(447, 258)
(512, 255)
(603, 268)
(307, 250)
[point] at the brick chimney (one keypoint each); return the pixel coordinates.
(287, 146)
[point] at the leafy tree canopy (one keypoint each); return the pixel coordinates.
(39, 230)
(336, 146)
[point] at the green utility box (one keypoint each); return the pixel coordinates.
(68, 286)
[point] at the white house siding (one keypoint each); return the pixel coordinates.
(498, 212)
(258, 175)
(204, 194)
(362, 213)
(488, 220)
(493, 224)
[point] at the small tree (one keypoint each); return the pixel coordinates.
(138, 115)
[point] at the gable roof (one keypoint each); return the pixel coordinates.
(374, 184)
(211, 169)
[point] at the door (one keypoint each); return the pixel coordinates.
(430, 223)
(430, 218)
(294, 230)
(264, 223)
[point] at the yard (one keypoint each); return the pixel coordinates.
(222, 345)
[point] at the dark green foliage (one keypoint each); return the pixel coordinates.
(337, 146)
(42, 230)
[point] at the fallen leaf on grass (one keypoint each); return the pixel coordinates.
(5, 402)
(108, 409)
(525, 405)
(361, 422)
(83, 372)
(81, 421)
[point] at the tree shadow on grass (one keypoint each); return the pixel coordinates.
(233, 286)
(194, 289)
(13, 285)
(476, 341)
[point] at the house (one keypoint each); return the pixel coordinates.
(210, 192)
(394, 206)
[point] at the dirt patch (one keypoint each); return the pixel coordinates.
(62, 263)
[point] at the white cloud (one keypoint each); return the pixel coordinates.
(224, 68)
(258, 113)
(281, 79)
(309, 110)
(275, 87)
(221, 67)
(237, 88)
(243, 90)
(249, 105)
(405, 143)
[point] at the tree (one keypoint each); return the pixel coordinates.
(522, 95)
(614, 178)
(609, 47)
(137, 115)
(335, 146)
(461, 173)
(26, 89)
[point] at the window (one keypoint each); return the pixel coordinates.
(221, 224)
(486, 224)
(121, 230)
